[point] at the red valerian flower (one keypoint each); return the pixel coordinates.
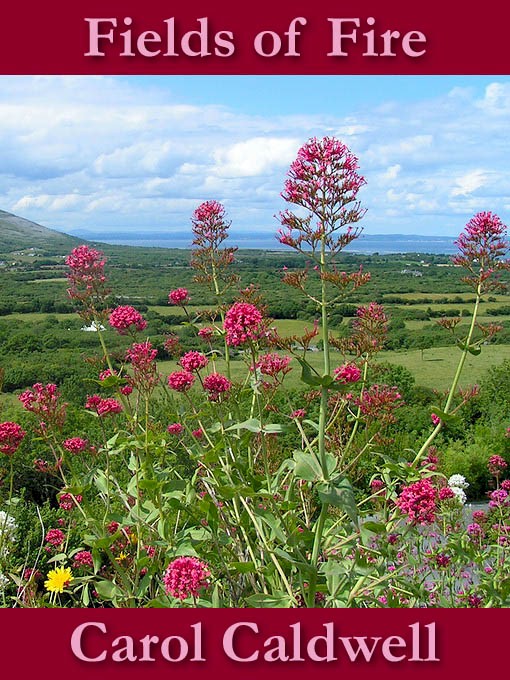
(11, 436)
(75, 444)
(180, 381)
(179, 296)
(67, 502)
(217, 385)
(55, 537)
(347, 373)
(103, 406)
(126, 318)
(271, 364)
(87, 279)
(482, 247)
(324, 180)
(175, 428)
(496, 465)
(44, 401)
(418, 502)
(243, 322)
(142, 356)
(185, 577)
(208, 259)
(193, 361)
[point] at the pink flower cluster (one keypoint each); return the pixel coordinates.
(216, 385)
(206, 333)
(55, 537)
(172, 345)
(418, 502)
(180, 381)
(272, 364)
(379, 403)
(179, 296)
(496, 465)
(209, 224)
(185, 576)
(107, 373)
(141, 356)
(11, 436)
(323, 166)
(347, 373)
(175, 428)
(193, 361)
(243, 322)
(482, 245)
(370, 328)
(103, 406)
(446, 493)
(83, 559)
(44, 401)
(126, 318)
(75, 444)
(67, 502)
(86, 276)
(498, 498)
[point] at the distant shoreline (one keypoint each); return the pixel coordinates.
(367, 244)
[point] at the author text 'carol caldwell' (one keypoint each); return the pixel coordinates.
(243, 642)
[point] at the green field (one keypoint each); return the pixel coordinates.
(435, 370)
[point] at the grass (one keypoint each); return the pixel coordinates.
(435, 370)
(415, 324)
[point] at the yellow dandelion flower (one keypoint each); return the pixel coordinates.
(58, 579)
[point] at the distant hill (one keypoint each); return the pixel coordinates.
(16, 233)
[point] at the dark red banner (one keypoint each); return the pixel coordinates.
(354, 644)
(267, 37)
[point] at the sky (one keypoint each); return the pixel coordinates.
(107, 154)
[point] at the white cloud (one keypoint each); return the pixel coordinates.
(111, 153)
(255, 156)
(470, 182)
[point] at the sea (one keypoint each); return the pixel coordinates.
(367, 244)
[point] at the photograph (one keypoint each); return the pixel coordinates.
(255, 351)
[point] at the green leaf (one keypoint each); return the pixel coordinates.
(307, 466)
(252, 425)
(339, 492)
(101, 482)
(308, 374)
(374, 527)
(112, 381)
(447, 418)
(108, 590)
(149, 484)
(244, 567)
(472, 349)
(276, 600)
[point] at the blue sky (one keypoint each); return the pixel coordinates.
(140, 153)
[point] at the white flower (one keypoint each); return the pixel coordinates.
(8, 528)
(4, 581)
(458, 481)
(460, 494)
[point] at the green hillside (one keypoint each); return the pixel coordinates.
(17, 234)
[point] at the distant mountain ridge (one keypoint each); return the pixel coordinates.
(17, 233)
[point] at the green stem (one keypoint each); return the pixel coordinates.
(317, 541)
(456, 377)
(323, 413)
(358, 414)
